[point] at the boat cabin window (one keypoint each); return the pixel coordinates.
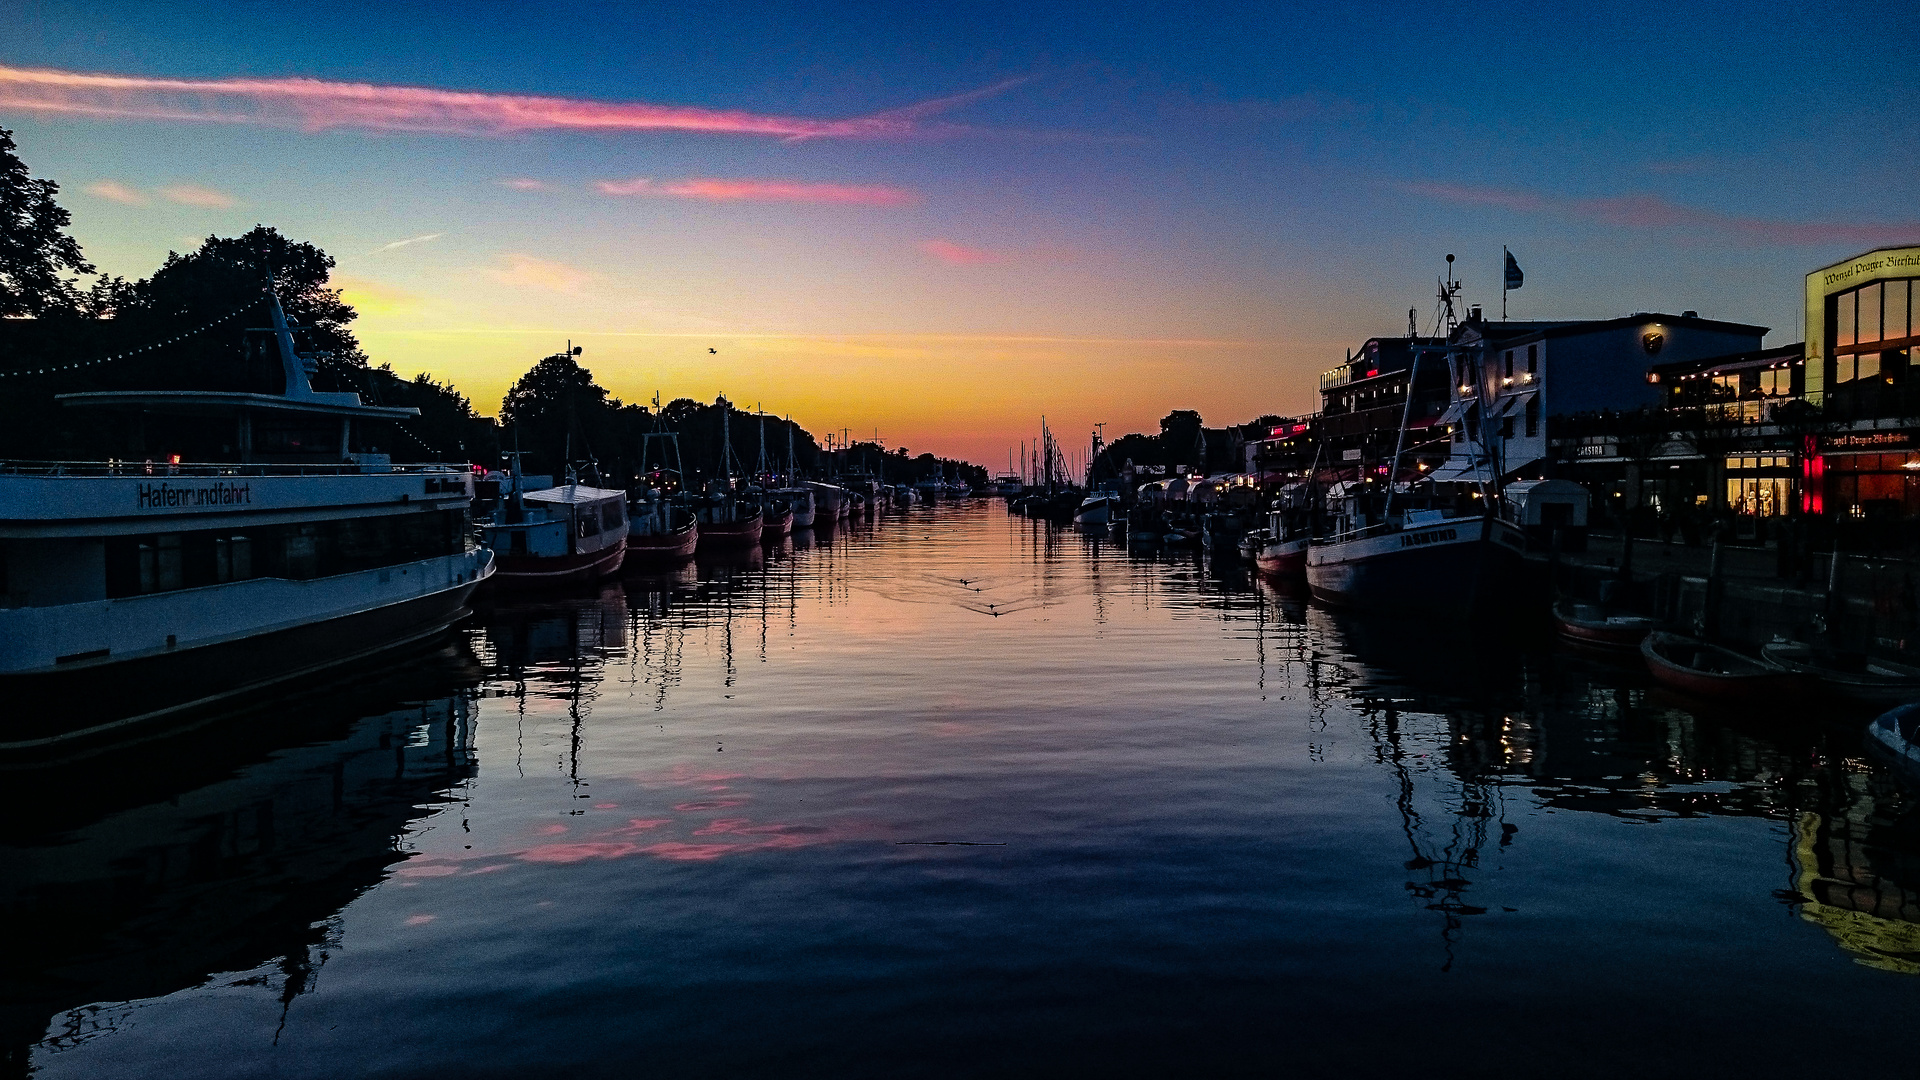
(163, 562)
(589, 522)
(610, 516)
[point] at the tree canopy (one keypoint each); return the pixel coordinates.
(37, 254)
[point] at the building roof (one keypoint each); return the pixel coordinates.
(1521, 332)
(1732, 361)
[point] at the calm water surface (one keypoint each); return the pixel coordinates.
(958, 794)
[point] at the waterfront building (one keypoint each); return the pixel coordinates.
(1523, 379)
(1364, 401)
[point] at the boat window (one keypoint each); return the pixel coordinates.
(136, 565)
(610, 516)
(589, 522)
(1910, 727)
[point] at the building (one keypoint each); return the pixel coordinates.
(1363, 403)
(1524, 380)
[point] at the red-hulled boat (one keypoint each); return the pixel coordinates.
(565, 535)
(1710, 671)
(728, 523)
(776, 518)
(659, 532)
(1589, 625)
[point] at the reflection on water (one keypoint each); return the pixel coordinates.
(995, 797)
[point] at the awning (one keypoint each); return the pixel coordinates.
(1461, 472)
(1515, 403)
(1455, 411)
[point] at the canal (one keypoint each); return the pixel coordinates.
(958, 793)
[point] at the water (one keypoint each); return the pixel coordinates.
(958, 794)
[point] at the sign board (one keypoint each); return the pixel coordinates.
(1350, 455)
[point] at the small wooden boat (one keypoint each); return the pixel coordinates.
(1855, 677)
(1590, 625)
(1710, 671)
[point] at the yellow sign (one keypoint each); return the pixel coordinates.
(1876, 265)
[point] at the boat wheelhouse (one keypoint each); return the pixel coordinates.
(132, 592)
(566, 535)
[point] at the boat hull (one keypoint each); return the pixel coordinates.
(730, 535)
(773, 527)
(656, 548)
(1599, 633)
(1282, 557)
(1750, 682)
(558, 571)
(1879, 683)
(109, 700)
(1447, 565)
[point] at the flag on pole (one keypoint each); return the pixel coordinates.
(1514, 277)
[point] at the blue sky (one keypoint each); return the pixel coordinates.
(1151, 207)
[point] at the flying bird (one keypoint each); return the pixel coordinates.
(715, 352)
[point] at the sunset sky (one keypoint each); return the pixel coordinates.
(940, 222)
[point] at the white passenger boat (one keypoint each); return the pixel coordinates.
(566, 535)
(131, 592)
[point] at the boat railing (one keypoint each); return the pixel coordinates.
(1363, 533)
(163, 469)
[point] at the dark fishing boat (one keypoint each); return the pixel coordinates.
(660, 531)
(776, 518)
(727, 522)
(1852, 676)
(1710, 671)
(1590, 625)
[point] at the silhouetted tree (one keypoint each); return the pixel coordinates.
(36, 252)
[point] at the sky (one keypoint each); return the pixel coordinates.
(938, 223)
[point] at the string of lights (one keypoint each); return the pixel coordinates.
(52, 369)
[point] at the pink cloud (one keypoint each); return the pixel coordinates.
(531, 271)
(115, 191)
(195, 195)
(1654, 212)
(958, 254)
(710, 190)
(318, 103)
(521, 183)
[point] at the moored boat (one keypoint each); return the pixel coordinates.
(1896, 734)
(728, 523)
(660, 531)
(1590, 625)
(1280, 556)
(1427, 559)
(800, 501)
(1712, 671)
(139, 592)
(776, 518)
(558, 536)
(1855, 677)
